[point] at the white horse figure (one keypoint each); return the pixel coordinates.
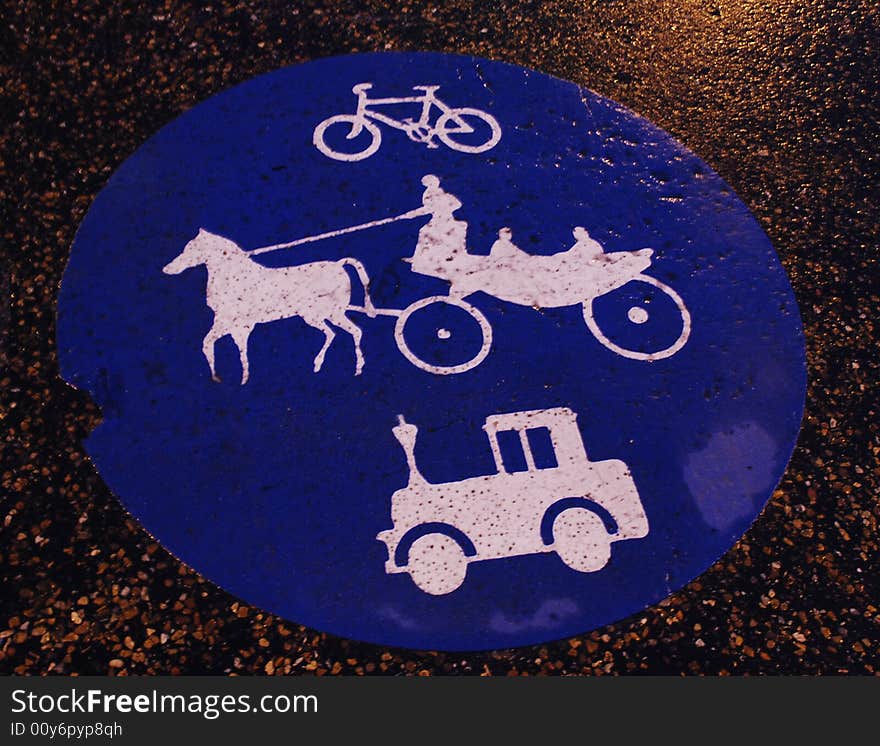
(242, 294)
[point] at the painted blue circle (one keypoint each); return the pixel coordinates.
(590, 425)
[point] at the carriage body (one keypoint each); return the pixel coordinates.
(564, 279)
(570, 278)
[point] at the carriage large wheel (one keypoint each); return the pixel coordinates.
(444, 336)
(638, 314)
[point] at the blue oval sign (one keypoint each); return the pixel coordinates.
(432, 351)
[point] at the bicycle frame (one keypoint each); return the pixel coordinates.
(427, 100)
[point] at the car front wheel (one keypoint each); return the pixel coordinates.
(580, 540)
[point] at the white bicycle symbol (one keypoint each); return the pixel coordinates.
(455, 128)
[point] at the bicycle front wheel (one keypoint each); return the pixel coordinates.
(468, 130)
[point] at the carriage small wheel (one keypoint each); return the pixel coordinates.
(639, 315)
(446, 335)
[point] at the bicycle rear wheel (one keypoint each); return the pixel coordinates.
(341, 129)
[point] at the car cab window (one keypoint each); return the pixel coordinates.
(542, 448)
(511, 451)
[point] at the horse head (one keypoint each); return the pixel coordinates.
(200, 250)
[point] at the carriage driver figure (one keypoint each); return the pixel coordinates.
(442, 242)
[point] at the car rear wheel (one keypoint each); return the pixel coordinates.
(580, 540)
(437, 564)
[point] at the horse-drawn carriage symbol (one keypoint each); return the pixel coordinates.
(243, 293)
(568, 505)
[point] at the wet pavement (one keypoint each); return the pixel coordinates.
(780, 100)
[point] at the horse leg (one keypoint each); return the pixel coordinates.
(329, 334)
(346, 324)
(214, 333)
(241, 337)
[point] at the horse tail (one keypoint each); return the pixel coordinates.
(365, 281)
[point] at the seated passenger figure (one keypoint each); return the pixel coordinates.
(504, 251)
(585, 246)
